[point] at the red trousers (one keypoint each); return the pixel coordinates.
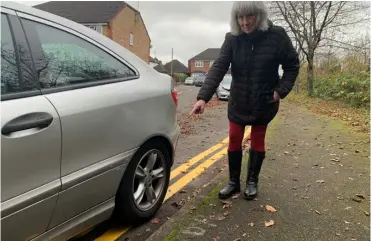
(257, 137)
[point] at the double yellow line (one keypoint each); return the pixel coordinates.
(114, 234)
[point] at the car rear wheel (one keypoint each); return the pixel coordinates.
(144, 185)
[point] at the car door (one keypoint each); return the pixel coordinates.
(30, 140)
(92, 91)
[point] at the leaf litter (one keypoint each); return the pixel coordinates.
(269, 223)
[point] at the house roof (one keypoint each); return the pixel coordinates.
(208, 54)
(178, 67)
(161, 68)
(84, 11)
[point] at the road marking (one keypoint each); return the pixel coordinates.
(189, 177)
(185, 166)
(182, 182)
(112, 234)
(115, 233)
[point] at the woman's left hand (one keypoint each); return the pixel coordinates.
(276, 97)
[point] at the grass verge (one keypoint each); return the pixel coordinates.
(356, 118)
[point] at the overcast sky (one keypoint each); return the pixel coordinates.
(188, 27)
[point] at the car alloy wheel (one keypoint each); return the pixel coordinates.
(149, 180)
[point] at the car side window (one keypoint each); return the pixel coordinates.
(70, 60)
(9, 67)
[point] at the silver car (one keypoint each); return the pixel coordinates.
(199, 80)
(88, 129)
(222, 92)
(189, 81)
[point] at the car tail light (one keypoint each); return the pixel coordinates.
(174, 93)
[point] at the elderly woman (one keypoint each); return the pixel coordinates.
(254, 48)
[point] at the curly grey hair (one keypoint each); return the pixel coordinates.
(246, 8)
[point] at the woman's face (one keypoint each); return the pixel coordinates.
(247, 23)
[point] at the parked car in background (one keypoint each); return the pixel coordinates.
(199, 80)
(223, 90)
(189, 81)
(88, 129)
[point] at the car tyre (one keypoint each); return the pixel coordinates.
(127, 208)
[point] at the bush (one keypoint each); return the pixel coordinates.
(350, 88)
(180, 77)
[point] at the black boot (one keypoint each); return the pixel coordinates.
(255, 163)
(233, 186)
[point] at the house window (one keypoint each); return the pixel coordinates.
(131, 39)
(199, 64)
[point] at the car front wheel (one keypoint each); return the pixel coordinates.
(144, 185)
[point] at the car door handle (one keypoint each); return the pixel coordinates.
(39, 120)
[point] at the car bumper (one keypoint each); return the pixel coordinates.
(223, 96)
(174, 138)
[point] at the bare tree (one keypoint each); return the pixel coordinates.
(308, 21)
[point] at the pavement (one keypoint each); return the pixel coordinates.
(314, 185)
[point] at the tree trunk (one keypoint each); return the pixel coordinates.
(310, 78)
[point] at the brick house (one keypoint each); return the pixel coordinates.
(201, 63)
(116, 20)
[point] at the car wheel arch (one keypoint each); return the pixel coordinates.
(162, 139)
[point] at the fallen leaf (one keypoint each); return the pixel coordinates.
(236, 196)
(155, 221)
(335, 160)
(220, 218)
(367, 213)
(176, 205)
(356, 200)
(360, 196)
(251, 224)
(337, 234)
(148, 230)
(193, 208)
(318, 212)
(226, 206)
(320, 181)
(225, 214)
(286, 152)
(183, 191)
(346, 222)
(270, 208)
(243, 235)
(347, 208)
(356, 151)
(268, 223)
(226, 202)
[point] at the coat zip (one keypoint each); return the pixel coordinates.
(251, 60)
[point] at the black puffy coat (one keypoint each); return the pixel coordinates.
(254, 60)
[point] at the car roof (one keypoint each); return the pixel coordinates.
(131, 58)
